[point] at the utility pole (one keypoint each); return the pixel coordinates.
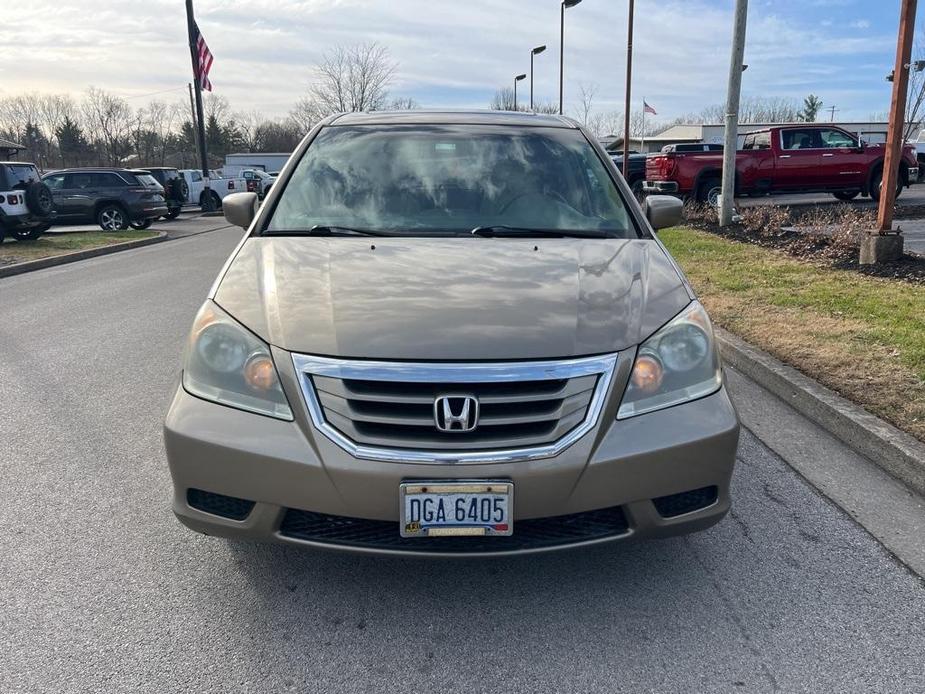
(629, 84)
(733, 91)
(194, 57)
(882, 247)
(832, 110)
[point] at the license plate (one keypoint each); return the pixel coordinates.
(445, 509)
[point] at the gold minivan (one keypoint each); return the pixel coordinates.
(450, 333)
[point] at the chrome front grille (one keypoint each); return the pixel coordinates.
(386, 410)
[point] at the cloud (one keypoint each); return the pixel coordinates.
(450, 53)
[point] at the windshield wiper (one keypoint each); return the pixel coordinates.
(525, 232)
(327, 230)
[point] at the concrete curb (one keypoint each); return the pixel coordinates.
(898, 453)
(29, 266)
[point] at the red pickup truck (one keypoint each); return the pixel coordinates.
(786, 159)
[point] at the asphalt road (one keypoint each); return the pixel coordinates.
(101, 590)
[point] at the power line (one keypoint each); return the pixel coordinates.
(163, 91)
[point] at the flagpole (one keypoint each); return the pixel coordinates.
(642, 141)
(200, 125)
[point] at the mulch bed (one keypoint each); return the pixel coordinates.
(763, 226)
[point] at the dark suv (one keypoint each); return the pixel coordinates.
(176, 189)
(113, 198)
(26, 206)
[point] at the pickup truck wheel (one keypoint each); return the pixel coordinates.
(709, 191)
(216, 201)
(876, 183)
(172, 213)
(847, 194)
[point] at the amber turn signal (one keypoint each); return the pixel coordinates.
(260, 373)
(647, 374)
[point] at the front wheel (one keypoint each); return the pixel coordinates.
(847, 195)
(144, 224)
(172, 213)
(112, 218)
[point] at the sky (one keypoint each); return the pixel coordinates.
(456, 53)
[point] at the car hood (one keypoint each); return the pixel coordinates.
(451, 298)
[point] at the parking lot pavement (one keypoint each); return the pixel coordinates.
(103, 591)
(187, 224)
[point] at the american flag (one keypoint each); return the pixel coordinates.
(648, 109)
(205, 60)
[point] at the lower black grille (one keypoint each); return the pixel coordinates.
(685, 502)
(219, 504)
(528, 534)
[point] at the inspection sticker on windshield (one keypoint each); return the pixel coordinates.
(447, 509)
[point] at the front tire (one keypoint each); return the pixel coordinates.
(172, 213)
(144, 224)
(847, 195)
(112, 218)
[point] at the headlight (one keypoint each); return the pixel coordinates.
(228, 364)
(678, 363)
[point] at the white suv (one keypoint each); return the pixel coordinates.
(26, 204)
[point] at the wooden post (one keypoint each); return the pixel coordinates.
(897, 116)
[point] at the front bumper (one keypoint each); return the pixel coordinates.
(660, 187)
(620, 467)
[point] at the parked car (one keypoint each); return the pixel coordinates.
(26, 204)
(257, 181)
(787, 159)
(636, 173)
(218, 187)
(176, 190)
(113, 198)
(481, 348)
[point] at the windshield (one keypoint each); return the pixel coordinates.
(450, 179)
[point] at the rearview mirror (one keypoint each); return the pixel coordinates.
(663, 211)
(240, 208)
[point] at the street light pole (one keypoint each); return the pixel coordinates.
(629, 85)
(535, 51)
(565, 5)
(516, 80)
(732, 113)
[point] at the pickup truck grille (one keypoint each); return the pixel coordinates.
(389, 410)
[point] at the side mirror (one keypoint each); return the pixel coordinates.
(663, 211)
(240, 208)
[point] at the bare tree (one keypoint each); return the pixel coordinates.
(403, 103)
(585, 110)
(305, 113)
(503, 100)
(109, 119)
(353, 78)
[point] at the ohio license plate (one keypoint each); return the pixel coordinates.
(442, 509)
